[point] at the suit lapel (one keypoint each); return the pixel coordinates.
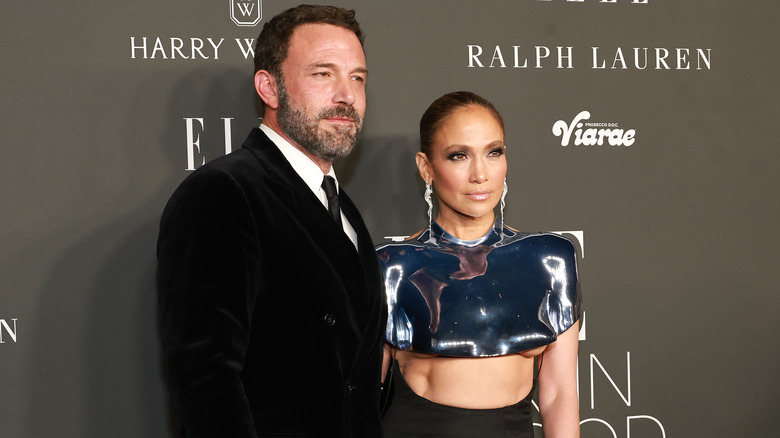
(314, 217)
(316, 221)
(376, 316)
(358, 271)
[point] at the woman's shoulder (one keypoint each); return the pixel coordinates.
(399, 240)
(403, 250)
(546, 238)
(414, 236)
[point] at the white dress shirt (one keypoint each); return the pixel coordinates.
(310, 173)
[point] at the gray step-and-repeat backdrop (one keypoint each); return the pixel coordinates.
(107, 106)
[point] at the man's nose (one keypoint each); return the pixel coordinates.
(345, 91)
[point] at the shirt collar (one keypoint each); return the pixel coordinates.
(308, 170)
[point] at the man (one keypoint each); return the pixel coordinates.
(272, 312)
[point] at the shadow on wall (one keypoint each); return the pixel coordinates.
(382, 178)
(97, 364)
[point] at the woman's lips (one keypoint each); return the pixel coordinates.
(478, 195)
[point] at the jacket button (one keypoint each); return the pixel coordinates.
(350, 387)
(330, 320)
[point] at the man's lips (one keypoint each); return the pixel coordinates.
(340, 119)
(342, 115)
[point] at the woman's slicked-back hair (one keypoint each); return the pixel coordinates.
(443, 107)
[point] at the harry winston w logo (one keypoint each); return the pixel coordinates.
(246, 12)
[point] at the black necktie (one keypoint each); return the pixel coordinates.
(329, 185)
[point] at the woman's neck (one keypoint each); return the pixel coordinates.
(464, 227)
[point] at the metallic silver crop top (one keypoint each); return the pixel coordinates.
(503, 293)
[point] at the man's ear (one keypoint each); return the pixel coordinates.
(424, 167)
(265, 85)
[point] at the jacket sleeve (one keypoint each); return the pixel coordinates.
(207, 283)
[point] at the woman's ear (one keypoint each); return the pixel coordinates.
(265, 85)
(424, 167)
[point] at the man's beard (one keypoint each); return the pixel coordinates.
(305, 130)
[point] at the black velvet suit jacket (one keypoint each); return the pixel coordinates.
(271, 321)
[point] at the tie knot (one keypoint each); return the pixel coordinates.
(329, 185)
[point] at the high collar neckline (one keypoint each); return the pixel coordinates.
(441, 236)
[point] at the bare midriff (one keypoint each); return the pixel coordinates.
(472, 383)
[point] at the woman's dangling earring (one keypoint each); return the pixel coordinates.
(503, 203)
(429, 201)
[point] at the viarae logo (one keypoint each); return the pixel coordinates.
(594, 133)
(246, 12)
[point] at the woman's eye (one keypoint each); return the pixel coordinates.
(457, 156)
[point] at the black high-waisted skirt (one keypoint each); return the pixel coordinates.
(412, 416)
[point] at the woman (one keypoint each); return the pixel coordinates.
(472, 302)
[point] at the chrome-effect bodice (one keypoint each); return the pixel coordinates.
(501, 294)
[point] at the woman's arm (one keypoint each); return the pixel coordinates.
(558, 401)
(387, 357)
